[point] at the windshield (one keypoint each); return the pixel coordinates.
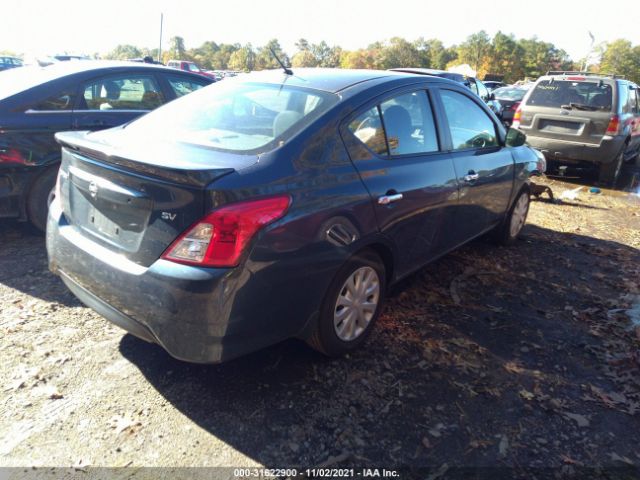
(234, 116)
(579, 94)
(193, 67)
(507, 93)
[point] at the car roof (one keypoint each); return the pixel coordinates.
(428, 71)
(331, 80)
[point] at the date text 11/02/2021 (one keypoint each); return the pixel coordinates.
(315, 472)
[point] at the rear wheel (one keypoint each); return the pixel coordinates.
(351, 306)
(610, 172)
(38, 198)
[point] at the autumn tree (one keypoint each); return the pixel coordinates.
(266, 60)
(621, 58)
(177, 50)
(243, 59)
(475, 50)
(123, 52)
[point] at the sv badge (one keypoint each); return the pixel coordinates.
(168, 216)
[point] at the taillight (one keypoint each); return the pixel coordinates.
(515, 106)
(220, 238)
(11, 156)
(516, 117)
(614, 125)
(579, 79)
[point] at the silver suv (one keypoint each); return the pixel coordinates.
(578, 117)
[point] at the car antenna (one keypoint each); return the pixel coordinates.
(287, 70)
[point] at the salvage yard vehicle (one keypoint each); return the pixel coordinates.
(509, 98)
(36, 102)
(9, 62)
(583, 118)
(475, 85)
(187, 66)
(278, 205)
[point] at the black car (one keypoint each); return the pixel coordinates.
(509, 98)
(276, 206)
(37, 102)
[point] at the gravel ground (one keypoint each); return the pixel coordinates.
(519, 357)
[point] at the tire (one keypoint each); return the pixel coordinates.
(340, 328)
(610, 172)
(38, 198)
(508, 231)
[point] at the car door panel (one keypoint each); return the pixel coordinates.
(484, 168)
(413, 197)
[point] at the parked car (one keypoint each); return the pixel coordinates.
(67, 58)
(509, 98)
(190, 67)
(583, 118)
(36, 102)
(475, 85)
(279, 206)
(492, 85)
(9, 62)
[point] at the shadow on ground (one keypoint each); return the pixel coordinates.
(488, 357)
(29, 275)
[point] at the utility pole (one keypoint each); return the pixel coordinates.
(586, 59)
(160, 44)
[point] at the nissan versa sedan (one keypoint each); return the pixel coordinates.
(280, 205)
(36, 102)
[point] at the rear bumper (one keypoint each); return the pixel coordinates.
(197, 314)
(575, 152)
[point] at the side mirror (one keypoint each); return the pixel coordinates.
(492, 96)
(515, 138)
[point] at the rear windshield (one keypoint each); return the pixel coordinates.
(508, 93)
(578, 94)
(235, 116)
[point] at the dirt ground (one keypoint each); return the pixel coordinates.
(519, 357)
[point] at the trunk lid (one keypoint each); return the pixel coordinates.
(135, 199)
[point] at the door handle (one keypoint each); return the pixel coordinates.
(471, 176)
(387, 199)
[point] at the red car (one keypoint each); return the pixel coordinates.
(190, 67)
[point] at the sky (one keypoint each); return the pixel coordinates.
(37, 27)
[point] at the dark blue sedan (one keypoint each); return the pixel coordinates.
(272, 206)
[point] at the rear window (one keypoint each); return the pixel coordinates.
(235, 116)
(579, 94)
(507, 93)
(16, 80)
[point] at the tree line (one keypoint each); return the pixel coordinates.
(502, 55)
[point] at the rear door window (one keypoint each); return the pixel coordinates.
(469, 124)
(402, 125)
(182, 86)
(367, 127)
(127, 92)
(408, 124)
(577, 94)
(63, 100)
(633, 101)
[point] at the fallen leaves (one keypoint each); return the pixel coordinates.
(581, 420)
(122, 423)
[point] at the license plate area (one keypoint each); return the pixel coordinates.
(559, 126)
